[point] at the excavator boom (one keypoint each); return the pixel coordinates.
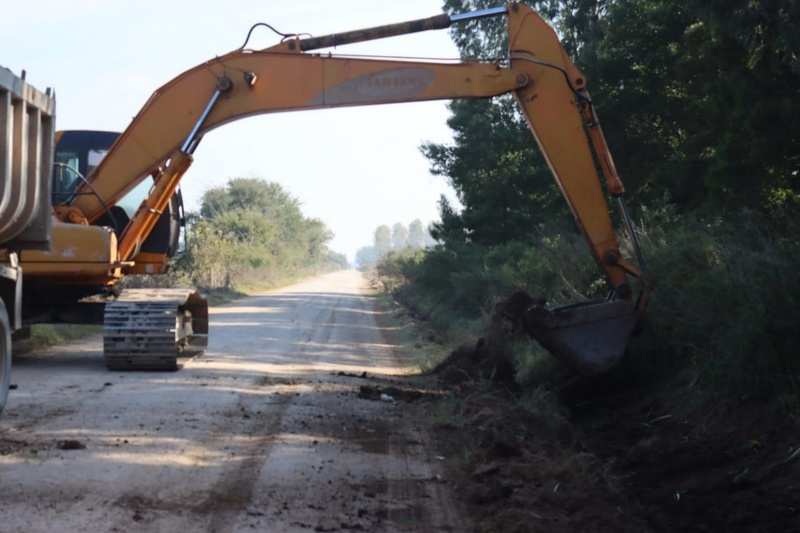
(549, 88)
(283, 81)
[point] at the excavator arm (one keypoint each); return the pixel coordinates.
(549, 88)
(162, 137)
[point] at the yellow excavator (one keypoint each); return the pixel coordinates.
(118, 207)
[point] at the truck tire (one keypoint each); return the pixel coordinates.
(5, 356)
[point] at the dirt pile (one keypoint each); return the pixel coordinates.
(732, 467)
(491, 357)
(525, 468)
(470, 363)
(591, 459)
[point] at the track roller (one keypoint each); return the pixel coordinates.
(152, 329)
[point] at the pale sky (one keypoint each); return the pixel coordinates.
(353, 168)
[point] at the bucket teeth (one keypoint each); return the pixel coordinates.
(153, 329)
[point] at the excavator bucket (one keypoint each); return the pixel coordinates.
(590, 337)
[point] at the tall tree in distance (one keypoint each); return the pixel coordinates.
(416, 235)
(383, 240)
(366, 257)
(399, 236)
(396, 238)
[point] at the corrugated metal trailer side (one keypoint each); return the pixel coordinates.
(27, 131)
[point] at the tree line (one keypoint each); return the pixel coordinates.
(699, 103)
(396, 238)
(698, 100)
(252, 233)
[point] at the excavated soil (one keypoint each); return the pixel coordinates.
(597, 457)
(720, 466)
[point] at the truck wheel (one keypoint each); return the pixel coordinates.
(5, 355)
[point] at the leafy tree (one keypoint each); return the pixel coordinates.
(366, 257)
(252, 231)
(383, 240)
(337, 261)
(416, 234)
(399, 236)
(497, 172)
(450, 229)
(494, 165)
(698, 101)
(715, 106)
(247, 193)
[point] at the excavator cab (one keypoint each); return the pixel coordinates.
(78, 153)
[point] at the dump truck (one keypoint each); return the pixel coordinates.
(27, 126)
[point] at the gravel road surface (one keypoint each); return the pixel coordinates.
(260, 433)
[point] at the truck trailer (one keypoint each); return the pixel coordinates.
(27, 129)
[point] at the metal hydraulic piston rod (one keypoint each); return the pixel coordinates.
(439, 22)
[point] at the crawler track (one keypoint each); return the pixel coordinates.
(152, 329)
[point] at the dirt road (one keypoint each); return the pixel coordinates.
(261, 433)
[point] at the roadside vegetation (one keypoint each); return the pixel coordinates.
(698, 101)
(397, 238)
(45, 335)
(248, 235)
(725, 308)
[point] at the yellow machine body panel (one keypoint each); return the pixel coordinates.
(79, 254)
(148, 263)
(287, 82)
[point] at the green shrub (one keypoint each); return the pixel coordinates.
(726, 303)
(252, 234)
